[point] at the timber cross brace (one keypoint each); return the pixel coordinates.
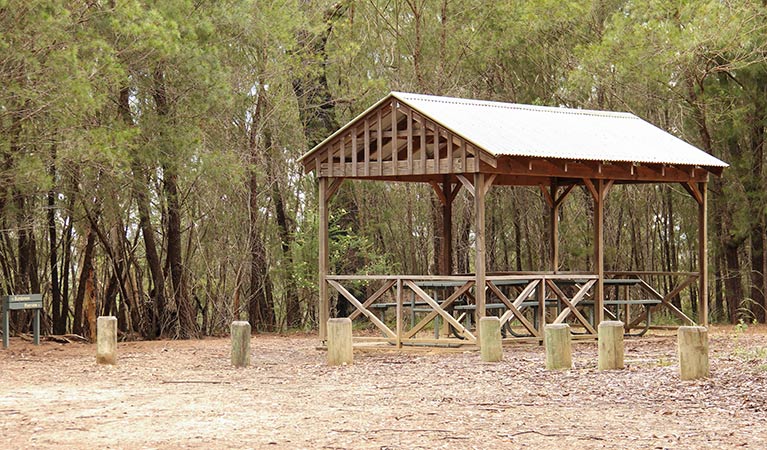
(471, 145)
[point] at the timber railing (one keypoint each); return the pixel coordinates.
(525, 302)
(645, 283)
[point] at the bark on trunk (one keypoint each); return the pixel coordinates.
(59, 326)
(157, 291)
(261, 303)
(85, 272)
(187, 323)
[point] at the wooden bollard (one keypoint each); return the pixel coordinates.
(340, 342)
(692, 343)
(106, 340)
(610, 345)
(557, 340)
(240, 331)
(490, 347)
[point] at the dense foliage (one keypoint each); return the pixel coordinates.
(148, 149)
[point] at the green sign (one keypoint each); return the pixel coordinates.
(19, 303)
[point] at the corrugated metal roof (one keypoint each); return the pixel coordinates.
(549, 132)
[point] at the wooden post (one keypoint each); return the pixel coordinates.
(394, 155)
(610, 345)
(446, 246)
(324, 306)
(559, 355)
(599, 251)
(479, 246)
(340, 341)
(554, 227)
(398, 309)
(490, 348)
(703, 256)
(106, 340)
(692, 343)
(240, 334)
(540, 291)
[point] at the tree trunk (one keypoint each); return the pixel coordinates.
(755, 188)
(67, 264)
(186, 314)
(732, 280)
(261, 303)
(59, 326)
(139, 191)
(670, 244)
(293, 317)
(187, 323)
(757, 272)
(85, 272)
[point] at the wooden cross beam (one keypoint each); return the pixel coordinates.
(369, 314)
(381, 291)
(571, 306)
(572, 303)
(514, 309)
(666, 300)
(438, 309)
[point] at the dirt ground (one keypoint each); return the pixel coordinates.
(171, 394)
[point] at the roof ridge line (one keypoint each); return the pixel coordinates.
(517, 106)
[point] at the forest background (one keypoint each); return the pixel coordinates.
(148, 149)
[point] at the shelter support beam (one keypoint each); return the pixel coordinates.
(598, 189)
(480, 189)
(554, 199)
(446, 245)
(446, 193)
(554, 220)
(327, 187)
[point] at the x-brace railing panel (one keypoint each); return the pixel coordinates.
(572, 303)
(363, 308)
(380, 292)
(439, 309)
(515, 308)
(666, 300)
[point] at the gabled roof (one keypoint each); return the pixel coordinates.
(508, 129)
(565, 133)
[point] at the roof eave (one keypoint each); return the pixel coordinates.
(492, 155)
(346, 127)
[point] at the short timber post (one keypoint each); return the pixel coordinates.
(559, 355)
(340, 341)
(490, 347)
(610, 345)
(240, 331)
(106, 340)
(693, 352)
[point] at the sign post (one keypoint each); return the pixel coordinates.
(21, 303)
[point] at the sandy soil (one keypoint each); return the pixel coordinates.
(170, 394)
